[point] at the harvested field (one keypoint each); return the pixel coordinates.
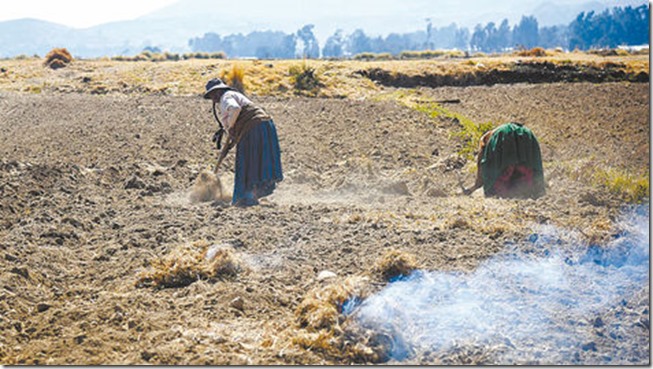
(106, 260)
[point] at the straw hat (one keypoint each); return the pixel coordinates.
(215, 84)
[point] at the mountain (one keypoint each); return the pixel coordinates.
(31, 36)
(170, 28)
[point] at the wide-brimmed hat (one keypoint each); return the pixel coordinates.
(215, 84)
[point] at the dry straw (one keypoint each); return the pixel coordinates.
(324, 317)
(394, 264)
(189, 263)
(58, 58)
(321, 316)
(235, 77)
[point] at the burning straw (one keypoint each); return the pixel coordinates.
(189, 263)
(324, 312)
(395, 264)
(519, 308)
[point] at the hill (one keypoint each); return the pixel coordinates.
(171, 27)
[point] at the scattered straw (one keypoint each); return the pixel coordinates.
(189, 263)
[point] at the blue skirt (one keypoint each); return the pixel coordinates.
(258, 164)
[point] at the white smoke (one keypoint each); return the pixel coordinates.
(521, 300)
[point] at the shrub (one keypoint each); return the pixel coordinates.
(201, 55)
(609, 52)
(235, 77)
(425, 54)
(58, 58)
(171, 56)
(431, 54)
(643, 51)
(534, 52)
(365, 56)
(373, 56)
(304, 78)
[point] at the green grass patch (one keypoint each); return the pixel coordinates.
(469, 131)
(631, 187)
(627, 185)
(431, 54)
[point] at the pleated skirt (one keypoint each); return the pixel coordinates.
(258, 164)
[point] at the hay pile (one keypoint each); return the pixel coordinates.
(58, 58)
(325, 315)
(189, 263)
(394, 264)
(322, 315)
(323, 307)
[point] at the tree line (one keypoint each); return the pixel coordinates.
(608, 29)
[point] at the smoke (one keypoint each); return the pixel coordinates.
(534, 306)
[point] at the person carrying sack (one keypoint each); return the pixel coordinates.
(509, 163)
(252, 131)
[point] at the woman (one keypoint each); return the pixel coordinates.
(258, 158)
(509, 163)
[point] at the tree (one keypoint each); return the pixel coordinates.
(611, 28)
(209, 42)
(396, 43)
(311, 47)
(445, 37)
(552, 37)
(462, 39)
(525, 34)
(152, 49)
(334, 47)
(288, 47)
(504, 36)
(358, 42)
(429, 45)
(579, 31)
(479, 39)
(490, 38)
(491, 41)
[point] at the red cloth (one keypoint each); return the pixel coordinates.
(513, 178)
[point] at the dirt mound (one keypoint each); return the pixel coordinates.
(518, 72)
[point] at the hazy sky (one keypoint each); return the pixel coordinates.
(86, 13)
(79, 13)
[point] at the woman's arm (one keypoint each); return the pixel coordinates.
(479, 170)
(229, 111)
(225, 150)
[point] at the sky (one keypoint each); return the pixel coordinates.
(79, 13)
(85, 13)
